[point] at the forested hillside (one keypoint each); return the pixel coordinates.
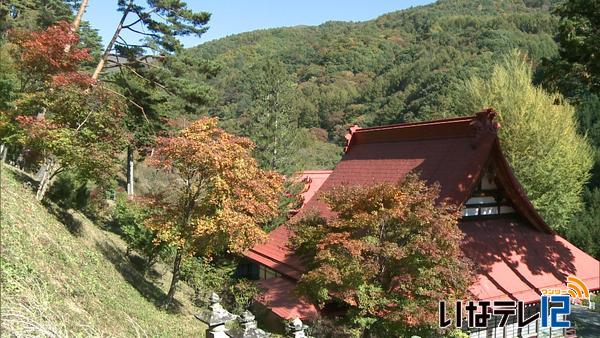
(402, 66)
(187, 155)
(409, 65)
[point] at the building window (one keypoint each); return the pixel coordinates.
(487, 199)
(266, 273)
(471, 212)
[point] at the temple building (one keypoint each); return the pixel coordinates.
(515, 253)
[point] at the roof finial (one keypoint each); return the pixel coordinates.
(348, 136)
(484, 124)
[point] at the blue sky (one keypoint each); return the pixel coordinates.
(236, 16)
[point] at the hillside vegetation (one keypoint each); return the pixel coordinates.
(402, 66)
(63, 276)
(205, 193)
(412, 65)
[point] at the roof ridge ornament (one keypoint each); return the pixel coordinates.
(306, 181)
(353, 128)
(484, 125)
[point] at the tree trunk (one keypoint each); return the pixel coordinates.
(52, 169)
(77, 21)
(41, 116)
(130, 191)
(150, 261)
(175, 279)
(42, 186)
(110, 45)
(3, 152)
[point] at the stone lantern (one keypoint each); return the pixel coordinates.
(296, 329)
(248, 327)
(215, 317)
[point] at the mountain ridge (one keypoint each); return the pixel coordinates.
(400, 67)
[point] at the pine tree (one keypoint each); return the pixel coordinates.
(159, 35)
(158, 27)
(32, 14)
(272, 115)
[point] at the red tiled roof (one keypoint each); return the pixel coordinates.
(278, 295)
(275, 253)
(450, 152)
(516, 261)
(453, 153)
(314, 180)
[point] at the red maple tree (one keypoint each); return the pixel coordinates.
(63, 121)
(215, 199)
(391, 254)
(44, 57)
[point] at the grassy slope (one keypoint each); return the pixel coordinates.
(73, 279)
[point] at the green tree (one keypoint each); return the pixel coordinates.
(585, 226)
(399, 67)
(19, 18)
(32, 14)
(538, 134)
(391, 254)
(158, 25)
(148, 72)
(159, 94)
(575, 72)
(576, 69)
(63, 123)
(82, 132)
(218, 276)
(589, 123)
(272, 115)
(130, 217)
(8, 78)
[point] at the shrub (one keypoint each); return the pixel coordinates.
(206, 277)
(129, 217)
(70, 191)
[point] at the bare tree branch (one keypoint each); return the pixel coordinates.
(140, 46)
(161, 86)
(143, 33)
(130, 101)
(84, 121)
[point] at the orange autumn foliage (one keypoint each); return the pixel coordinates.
(391, 253)
(217, 197)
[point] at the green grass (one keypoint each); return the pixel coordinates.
(63, 276)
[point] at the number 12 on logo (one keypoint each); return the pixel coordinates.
(554, 311)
